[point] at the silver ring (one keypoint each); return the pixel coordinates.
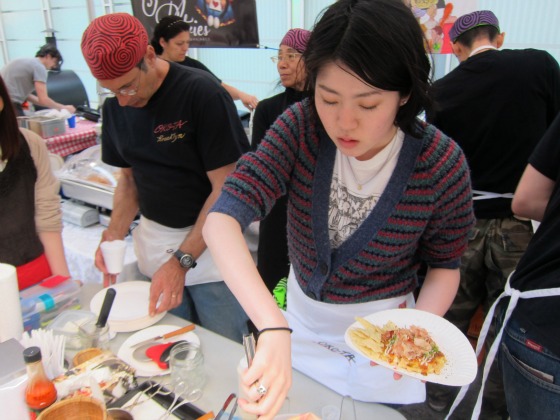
(261, 389)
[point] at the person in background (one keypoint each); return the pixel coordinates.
(369, 199)
(530, 348)
(171, 42)
(25, 75)
(496, 104)
(176, 135)
(528, 310)
(31, 234)
(273, 262)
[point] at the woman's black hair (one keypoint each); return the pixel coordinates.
(167, 28)
(9, 130)
(382, 43)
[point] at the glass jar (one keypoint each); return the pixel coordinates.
(188, 375)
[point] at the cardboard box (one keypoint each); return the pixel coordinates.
(47, 126)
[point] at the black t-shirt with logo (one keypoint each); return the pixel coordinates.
(190, 126)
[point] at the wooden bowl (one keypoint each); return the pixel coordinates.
(85, 355)
(75, 408)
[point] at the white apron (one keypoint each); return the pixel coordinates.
(515, 296)
(319, 350)
(155, 243)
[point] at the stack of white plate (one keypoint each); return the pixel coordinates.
(130, 308)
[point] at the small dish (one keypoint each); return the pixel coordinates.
(147, 369)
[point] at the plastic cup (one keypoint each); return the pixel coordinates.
(72, 121)
(113, 255)
(91, 336)
(188, 376)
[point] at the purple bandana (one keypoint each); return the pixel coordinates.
(296, 39)
(471, 21)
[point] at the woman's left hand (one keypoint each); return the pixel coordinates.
(396, 376)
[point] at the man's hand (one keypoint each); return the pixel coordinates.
(70, 108)
(108, 279)
(167, 287)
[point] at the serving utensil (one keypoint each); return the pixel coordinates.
(174, 333)
(225, 406)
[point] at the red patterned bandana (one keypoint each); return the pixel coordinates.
(113, 45)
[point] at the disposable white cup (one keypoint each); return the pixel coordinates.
(113, 255)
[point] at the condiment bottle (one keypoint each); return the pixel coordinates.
(40, 392)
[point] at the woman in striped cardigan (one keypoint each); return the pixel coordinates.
(373, 192)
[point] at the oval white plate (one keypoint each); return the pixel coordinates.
(461, 365)
(151, 368)
(130, 308)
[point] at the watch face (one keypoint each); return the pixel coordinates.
(186, 261)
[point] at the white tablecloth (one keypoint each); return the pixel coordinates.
(221, 357)
(80, 244)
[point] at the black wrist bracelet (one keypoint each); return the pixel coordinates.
(273, 329)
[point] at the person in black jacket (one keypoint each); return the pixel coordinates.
(273, 263)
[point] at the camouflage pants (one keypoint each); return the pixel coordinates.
(495, 247)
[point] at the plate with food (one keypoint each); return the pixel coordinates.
(415, 343)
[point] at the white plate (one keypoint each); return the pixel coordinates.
(130, 308)
(461, 365)
(151, 368)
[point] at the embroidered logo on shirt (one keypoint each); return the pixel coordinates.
(169, 132)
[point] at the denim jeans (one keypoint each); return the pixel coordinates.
(531, 376)
(213, 306)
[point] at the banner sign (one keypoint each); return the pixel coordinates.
(214, 23)
(436, 17)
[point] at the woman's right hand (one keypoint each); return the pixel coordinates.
(272, 368)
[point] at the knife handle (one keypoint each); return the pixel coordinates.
(180, 331)
(106, 307)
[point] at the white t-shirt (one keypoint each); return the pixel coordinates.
(356, 187)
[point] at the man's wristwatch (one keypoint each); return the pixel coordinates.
(186, 260)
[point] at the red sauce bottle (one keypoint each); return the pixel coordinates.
(40, 392)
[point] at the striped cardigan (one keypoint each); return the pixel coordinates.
(424, 214)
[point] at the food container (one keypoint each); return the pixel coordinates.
(84, 355)
(41, 303)
(86, 178)
(47, 126)
(23, 122)
(68, 324)
(75, 408)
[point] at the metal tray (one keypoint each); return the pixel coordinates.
(87, 193)
(185, 412)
